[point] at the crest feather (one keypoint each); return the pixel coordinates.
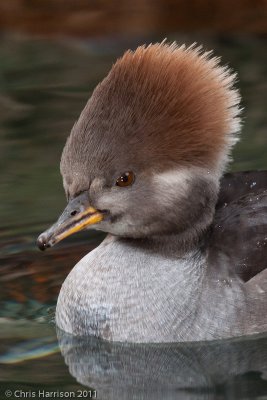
(161, 104)
(191, 88)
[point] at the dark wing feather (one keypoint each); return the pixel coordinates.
(238, 184)
(239, 231)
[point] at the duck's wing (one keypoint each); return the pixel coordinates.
(235, 185)
(239, 233)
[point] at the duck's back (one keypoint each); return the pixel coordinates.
(235, 185)
(237, 246)
(239, 231)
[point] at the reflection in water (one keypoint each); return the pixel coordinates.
(235, 368)
(29, 349)
(30, 283)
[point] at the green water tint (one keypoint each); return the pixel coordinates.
(44, 85)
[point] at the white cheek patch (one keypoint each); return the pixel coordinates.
(172, 184)
(170, 187)
(173, 177)
(176, 184)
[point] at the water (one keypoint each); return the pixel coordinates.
(43, 87)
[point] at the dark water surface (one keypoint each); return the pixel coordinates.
(44, 84)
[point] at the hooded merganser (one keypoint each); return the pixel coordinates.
(185, 256)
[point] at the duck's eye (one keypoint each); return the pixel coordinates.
(125, 179)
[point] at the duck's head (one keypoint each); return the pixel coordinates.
(147, 152)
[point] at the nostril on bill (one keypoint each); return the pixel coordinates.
(74, 212)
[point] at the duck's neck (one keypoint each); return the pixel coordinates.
(168, 246)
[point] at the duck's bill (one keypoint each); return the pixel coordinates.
(77, 216)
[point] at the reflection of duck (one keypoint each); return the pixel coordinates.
(144, 163)
(235, 368)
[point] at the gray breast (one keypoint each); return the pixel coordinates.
(122, 292)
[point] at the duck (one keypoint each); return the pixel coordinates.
(184, 258)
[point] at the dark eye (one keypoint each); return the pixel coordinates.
(125, 179)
